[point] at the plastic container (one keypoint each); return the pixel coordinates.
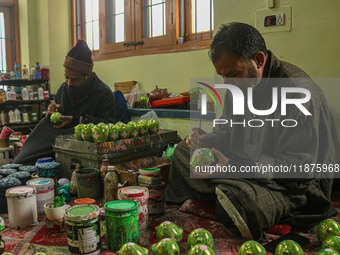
(156, 198)
(22, 206)
(45, 72)
(40, 93)
(88, 183)
(11, 116)
(46, 95)
(121, 223)
(45, 191)
(25, 117)
(25, 72)
(6, 183)
(171, 101)
(24, 93)
(83, 233)
(3, 117)
(141, 196)
(17, 71)
(37, 71)
(32, 72)
(31, 95)
(34, 116)
(54, 213)
(17, 116)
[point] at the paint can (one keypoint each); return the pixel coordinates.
(45, 191)
(88, 183)
(156, 198)
(121, 223)
(6, 183)
(23, 176)
(22, 206)
(140, 195)
(83, 229)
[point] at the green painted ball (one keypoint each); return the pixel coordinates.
(201, 249)
(166, 246)
(86, 132)
(124, 131)
(40, 253)
(113, 134)
(202, 157)
(134, 129)
(200, 236)
(143, 127)
(55, 118)
(168, 229)
(251, 247)
(132, 249)
(144, 101)
(7, 253)
(77, 132)
(332, 242)
(327, 228)
(327, 251)
(99, 133)
(288, 247)
(153, 127)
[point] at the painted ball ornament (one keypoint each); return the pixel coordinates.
(153, 127)
(99, 133)
(169, 229)
(86, 132)
(55, 118)
(124, 131)
(143, 127)
(166, 246)
(288, 247)
(132, 249)
(327, 228)
(327, 251)
(134, 129)
(40, 253)
(332, 242)
(200, 236)
(201, 249)
(144, 101)
(251, 247)
(77, 132)
(202, 157)
(112, 134)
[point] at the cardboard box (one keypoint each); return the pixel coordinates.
(124, 86)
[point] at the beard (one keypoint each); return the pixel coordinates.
(78, 91)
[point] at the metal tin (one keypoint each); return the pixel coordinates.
(121, 221)
(11, 166)
(23, 176)
(6, 183)
(7, 171)
(45, 191)
(29, 168)
(140, 195)
(83, 234)
(22, 206)
(88, 183)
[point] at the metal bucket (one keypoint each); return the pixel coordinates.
(88, 183)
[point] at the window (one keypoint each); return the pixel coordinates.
(121, 28)
(9, 35)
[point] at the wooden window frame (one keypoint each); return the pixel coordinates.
(10, 8)
(134, 23)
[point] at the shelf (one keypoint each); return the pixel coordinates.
(20, 124)
(22, 82)
(21, 102)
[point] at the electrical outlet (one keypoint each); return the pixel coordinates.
(280, 19)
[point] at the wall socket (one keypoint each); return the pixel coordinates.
(280, 19)
(274, 20)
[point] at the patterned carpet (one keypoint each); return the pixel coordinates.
(190, 216)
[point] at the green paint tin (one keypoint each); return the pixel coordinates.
(121, 219)
(83, 229)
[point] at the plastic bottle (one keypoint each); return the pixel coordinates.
(17, 71)
(37, 71)
(25, 117)
(13, 94)
(11, 116)
(170, 151)
(31, 95)
(110, 185)
(25, 72)
(17, 115)
(23, 139)
(40, 93)
(8, 94)
(32, 72)
(45, 72)
(12, 75)
(3, 117)
(24, 93)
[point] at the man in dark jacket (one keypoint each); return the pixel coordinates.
(83, 98)
(256, 203)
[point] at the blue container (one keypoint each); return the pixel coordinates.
(47, 167)
(6, 172)
(11, 166)
(23, 176)
(6, 183)
(29, 168)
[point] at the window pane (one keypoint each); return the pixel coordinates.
(88, 28)
(116, 21)
(203, 15)
(154, 18)
(2, 43)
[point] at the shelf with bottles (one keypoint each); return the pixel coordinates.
(30, 123)
(22, 102)
(21, 82)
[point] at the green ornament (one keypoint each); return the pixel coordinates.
(124, 131)
(288, 247)
(7, 253)
(77, 132)
(66, 187)
(327, 228)
(119, 123)
(201, 249)
(144, 101)
(86, 132)
(153, 127)
(327, 251)
(99, 133)
(113, 134)
(55, 118)
(2, 244)
(143, 127)
(2, 224)
(332, 242)
(166, 246)
(202, 157)
(134, 129)
(251, 248)
(168, 229)
(40, 253)
(200, 236)
(132, 249)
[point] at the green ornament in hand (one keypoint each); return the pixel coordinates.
(200, 236)
(327, 251)
(168, 229)
(77, 132)
(55, 118)
(332, 242)
(201, 249)
(288, 247)
(327, 228)
(251, 247)
(166, 246)
(132, 249)
(202, 157)
(153, 127)
(99, 133)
